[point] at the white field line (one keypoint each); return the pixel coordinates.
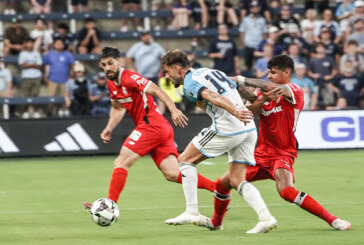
(168, 207)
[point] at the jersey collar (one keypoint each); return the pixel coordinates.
(118, 81)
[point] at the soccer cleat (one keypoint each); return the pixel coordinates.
(206, 222)
(264, 226)
(184, 218)
(341, 225)
(87, 205)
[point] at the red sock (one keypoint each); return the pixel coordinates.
(221, 202)
(307, 203)
(202, 182)
(117, 183)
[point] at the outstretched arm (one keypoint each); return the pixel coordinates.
(220, 101)
(178, 118)
(117, 113)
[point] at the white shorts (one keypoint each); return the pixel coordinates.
(240, 147)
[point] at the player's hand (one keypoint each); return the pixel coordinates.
(245, 116)
(272, 94)
(106, 135)
(178, 118)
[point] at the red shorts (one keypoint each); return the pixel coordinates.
(266, 166)
(158, 140)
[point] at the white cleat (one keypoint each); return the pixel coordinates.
(206, 222)
(264, 226)
(341, 225)
(184, 218)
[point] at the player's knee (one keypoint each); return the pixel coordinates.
(119, 162)
(170, 176)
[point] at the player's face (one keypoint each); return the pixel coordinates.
(173, 73)
(110, 66)
(278, 76)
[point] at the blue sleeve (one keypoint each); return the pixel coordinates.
(311, 85)
(193, 89)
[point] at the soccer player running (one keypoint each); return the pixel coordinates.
(277, 144)
(232, 131)
(153, 133)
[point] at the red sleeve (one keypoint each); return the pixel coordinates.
(297, 95)
(112, 90)
(135, 81)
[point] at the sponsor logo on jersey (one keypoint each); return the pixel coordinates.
(114, 92)
(142, 81)
(274, 110)
(75, 139)
(135, 77)
(6, 144)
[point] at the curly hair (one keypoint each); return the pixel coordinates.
(175, 57)
(281, 62)
(110, 52)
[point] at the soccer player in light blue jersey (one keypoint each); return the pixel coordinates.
(232, 131)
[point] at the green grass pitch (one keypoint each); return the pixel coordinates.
(41, 203)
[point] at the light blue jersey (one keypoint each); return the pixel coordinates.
(223, 122)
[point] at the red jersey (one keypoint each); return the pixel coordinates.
(129, 91)
(278, 120)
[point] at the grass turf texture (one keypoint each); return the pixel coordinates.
(41, 203)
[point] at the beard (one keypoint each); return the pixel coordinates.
(112, 77)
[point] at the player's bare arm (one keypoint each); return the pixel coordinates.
(116, 114)
(247, 93)
(178, 118)
(220, 101)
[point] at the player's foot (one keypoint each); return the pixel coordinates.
(264, 226)
(87, 205)
(184, 218)
(206, 222)
(341, 225)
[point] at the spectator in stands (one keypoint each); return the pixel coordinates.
(6, 81)
(332, 49)
(358, 34)
(318, 5)
(357, 14)
(322, 70)
(285, 19)
(181, 13)
(30, 61)
(9, 7)
(333, 26)
(43, 38)
(293, 51)
(261, 66)
(294, 37)
(200, 15)
(133, 5)
(351, 53)
(78, 92)
(143, 57)
(193, 62)
(99, 96)
(58, 66)
(301, 79)
(272, 39)
(64, 34)
(224, 52)
(14, 38)
(226, 13)
(343, 13)
(253, 29)
(89, 38)
(75, 4)
(41, 6)
(308, 25)
(245, 6)
(348, 86)
(158, 6)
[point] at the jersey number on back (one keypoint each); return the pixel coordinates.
(216, 79)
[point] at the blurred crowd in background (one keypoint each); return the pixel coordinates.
(326, 44)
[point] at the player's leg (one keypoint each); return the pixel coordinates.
(122, 163)
(285, 187)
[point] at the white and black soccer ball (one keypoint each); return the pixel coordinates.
(104, 212)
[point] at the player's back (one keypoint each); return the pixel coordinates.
(217, 81)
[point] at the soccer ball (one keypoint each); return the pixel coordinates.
(104, 212)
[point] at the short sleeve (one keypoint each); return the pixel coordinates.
(193, 89)
(297, 95)
(135, 81)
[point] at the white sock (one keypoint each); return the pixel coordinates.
(189, 184)
(254, 199)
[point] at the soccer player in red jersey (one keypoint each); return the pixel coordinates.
(279, 110)
(153, 133)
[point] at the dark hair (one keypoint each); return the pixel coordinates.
(29, 39)
(63, 26)
(41, 19)
(175, 57)
(358, 20)
(89, 19)
(281, 62)
(110, 52)
(320, 44)
(352, 42)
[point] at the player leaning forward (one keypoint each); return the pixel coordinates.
(153, 134)
(232, 131)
